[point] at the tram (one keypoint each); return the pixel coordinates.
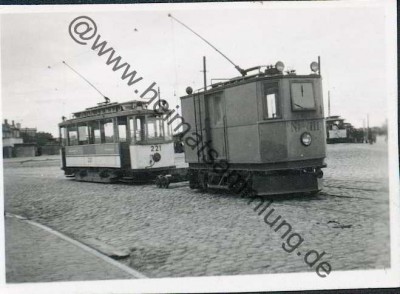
(117, 141)
(339, 131)
(263, 132)
(267, 129)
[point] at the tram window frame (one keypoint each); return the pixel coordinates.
(295, 106)
(104, 138)
(93, 137)
(64, 136)
(271, 89)
(167, 129)
(122, 124)
(85, 133)
(158, 124)
(72, 128)
(137, 135)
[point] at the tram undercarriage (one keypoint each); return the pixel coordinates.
(305, 180)
(114, 175)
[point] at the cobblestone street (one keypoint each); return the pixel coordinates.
(183, 232)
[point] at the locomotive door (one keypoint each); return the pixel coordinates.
(216, 124)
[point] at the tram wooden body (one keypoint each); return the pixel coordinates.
(117, 142)
(267, 129)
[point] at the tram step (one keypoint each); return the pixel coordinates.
(126, 179)
(225, 187)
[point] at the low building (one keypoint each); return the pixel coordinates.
(28, 134)
(50, 149)
(11, 136)
(25, 150)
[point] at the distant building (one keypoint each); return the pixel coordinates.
(17, 141)
(31, 132)
(11, 136)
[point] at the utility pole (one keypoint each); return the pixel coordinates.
(329, 103)
(205, 73)
(368, 130)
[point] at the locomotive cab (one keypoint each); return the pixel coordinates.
(114, 141)
(267, 129)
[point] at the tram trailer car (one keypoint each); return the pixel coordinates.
(267, 129)
(338, 131)
(117, 142)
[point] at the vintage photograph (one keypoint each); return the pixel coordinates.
(148, 142)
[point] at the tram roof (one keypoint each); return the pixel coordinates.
(107, 110)
(249, 79)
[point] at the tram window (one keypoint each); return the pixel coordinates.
(302, 96)
(167, 131)
(151, 128)
(63, 132)
(132, 128)
(154, 127)
(270, 101)
(122, 125)
(107, 126)
(94, 132)
(137, 128)
(83, 134)
(73, 135)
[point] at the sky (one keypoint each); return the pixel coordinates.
(37, 89)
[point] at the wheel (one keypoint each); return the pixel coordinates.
(166, 182)
(159, 181)
(237, 184)
(203, 180)
(193, 179)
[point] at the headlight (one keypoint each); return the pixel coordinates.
(279, 66)
(156, 157)
(314, 66)
(306, 139)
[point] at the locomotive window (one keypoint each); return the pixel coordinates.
(302, 96)
(83, 134)
(271, 106)
(271, 101)
(73, 135)
(107, 127)
(94, 132)
(217, 111)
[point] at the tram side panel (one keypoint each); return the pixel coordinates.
(191, 131)
(98, 155)
(152, 156)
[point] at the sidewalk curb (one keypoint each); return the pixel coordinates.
(82, 246)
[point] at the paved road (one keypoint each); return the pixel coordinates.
(181, 232)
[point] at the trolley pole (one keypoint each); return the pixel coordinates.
(205, 73)
(319, 65)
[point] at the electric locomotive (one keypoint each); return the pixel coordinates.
(117, 142)
(267, 129)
